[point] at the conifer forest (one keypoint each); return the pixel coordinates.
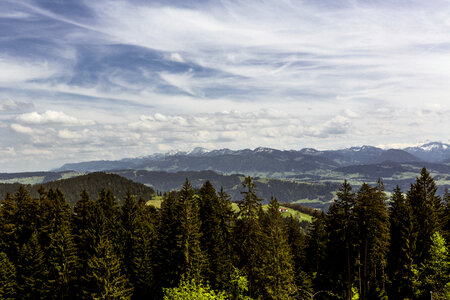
(369, 244)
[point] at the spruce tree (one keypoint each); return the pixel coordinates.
(105, 274)
(248, 235)
(9, 227)
(87, 228)
(316, 253)
(428, 212)
(144, 251)
(216, 216)
(32, 273)
(277, 274)
(373, 240)
(402, 247)
(8, 283)
(341, 246)
(27, 215)
(169, 258)
(188, 238)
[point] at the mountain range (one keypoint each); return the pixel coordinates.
(306, 176)
(270, 162)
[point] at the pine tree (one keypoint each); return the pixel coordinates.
(8, 283)
(27, 215)
(105, 274)
(277, 274)
(169, 258)
(341, 246)
(373, 230)
(402, 247)
(129, 223)
(9, 227)
(110, 212)
(216, 217)
(428, 212)
(248, 237)
(56, 239)
(144, 254)
(87, 228)
(32, 273)
(188, 238)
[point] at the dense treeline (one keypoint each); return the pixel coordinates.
(197, 247)
(93, 183)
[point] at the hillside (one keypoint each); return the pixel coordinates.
(92, 183)
(316, 195)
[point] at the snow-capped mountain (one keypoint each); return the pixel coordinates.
(433, 152)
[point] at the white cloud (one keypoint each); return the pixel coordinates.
(176, 57)
(22, 129)
(51, 117)
(13, 70)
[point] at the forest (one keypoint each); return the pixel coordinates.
(198, 245)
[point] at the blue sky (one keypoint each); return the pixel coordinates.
(85, 80)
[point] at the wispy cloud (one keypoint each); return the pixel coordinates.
(211, 73)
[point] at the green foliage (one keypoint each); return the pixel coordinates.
(238, 286)
(216, 217)
(402, 247)
(341, 245)
(196, 246)
(8, 282)
(428, 212)
(373, 239)
(191, 290)
(105, 276)
(434, 273)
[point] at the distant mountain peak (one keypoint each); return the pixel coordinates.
(264, 149)
(434, 146)
(198, 151)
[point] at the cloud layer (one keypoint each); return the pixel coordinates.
(83, 80)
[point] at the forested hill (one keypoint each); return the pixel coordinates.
(318, 195)
(93, 183)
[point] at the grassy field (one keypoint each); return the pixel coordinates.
(290, 212)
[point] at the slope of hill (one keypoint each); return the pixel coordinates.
(92, 183)
(316, 195)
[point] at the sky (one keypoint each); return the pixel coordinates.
(90, 80)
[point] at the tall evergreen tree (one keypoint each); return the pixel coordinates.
(188, 238)
(32, 273)
(144, 251)
(402, 247)
(8, 283)
(277, 274)
(316, 251)
(87, 228)
(428, 212)
(341, 246)
(56, 238)
(9, 227)
(169, 258)
(248, 237)
(373, 240)
(105, 274)
(216, 216)
(27, 216)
